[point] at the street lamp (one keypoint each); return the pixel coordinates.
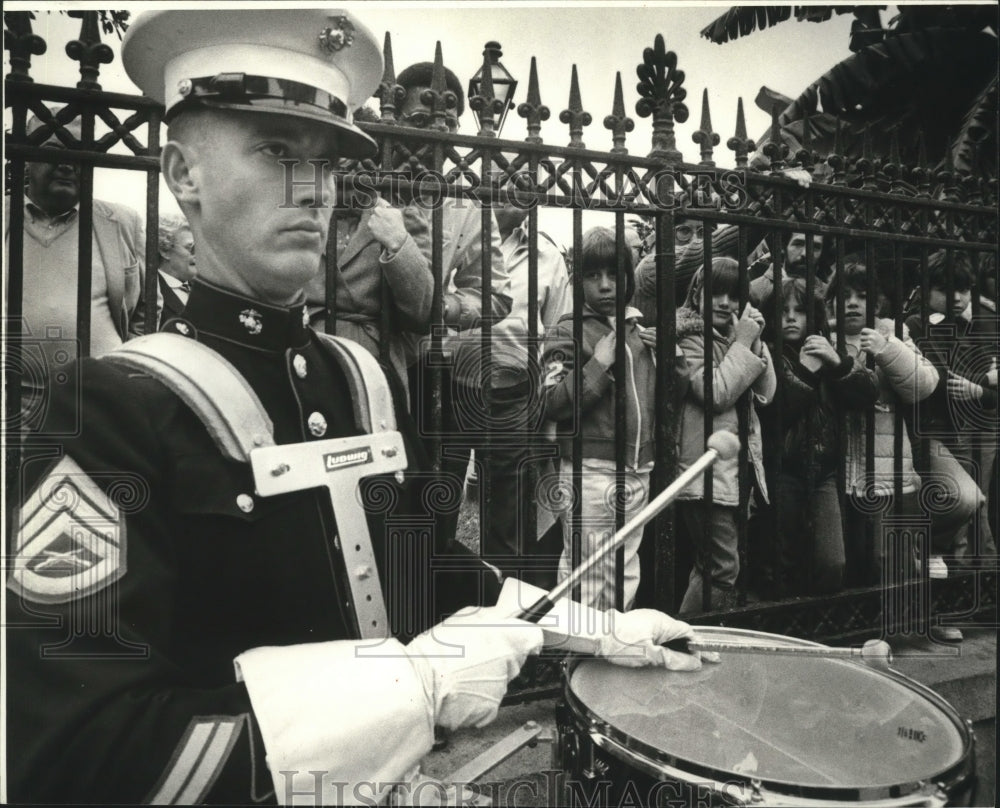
(504, 84)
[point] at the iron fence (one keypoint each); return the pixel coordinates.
(893, 215)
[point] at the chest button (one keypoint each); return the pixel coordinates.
(317, 425)
(244, 502)
(300, 366)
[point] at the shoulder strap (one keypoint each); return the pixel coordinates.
(370, 394)
(225, 402)
(208, 384)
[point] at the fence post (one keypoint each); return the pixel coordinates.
(662, 97)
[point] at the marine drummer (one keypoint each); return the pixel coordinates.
(174, 636)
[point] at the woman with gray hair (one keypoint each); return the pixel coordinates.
(177, 267)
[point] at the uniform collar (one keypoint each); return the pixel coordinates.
(248, 322)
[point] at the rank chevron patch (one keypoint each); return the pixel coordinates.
(70, 538)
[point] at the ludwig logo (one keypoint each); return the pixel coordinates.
(351, 457)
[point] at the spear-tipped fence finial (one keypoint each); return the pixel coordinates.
(835, 159)
(776, 149)
(805, 156)
(88, 50)
(921, 173)
(865, 165)
(22, 42)
(618, 122)
(662, 96)
(947, 176)
(442, 102)
(532, 110)
(704, 136)
(390, 94)
(574, 114)
(740, 143)
(972, 183)
(892, 169)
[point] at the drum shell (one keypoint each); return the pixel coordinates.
(603, 765)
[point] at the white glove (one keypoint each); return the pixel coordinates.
(466, 663)
(632, 639)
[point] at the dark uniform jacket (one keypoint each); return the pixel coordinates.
(126, 692)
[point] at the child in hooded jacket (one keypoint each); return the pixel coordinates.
(594, 415)
(903, 377)
(801, 444)
(737, 363)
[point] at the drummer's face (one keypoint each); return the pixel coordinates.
(261, 226)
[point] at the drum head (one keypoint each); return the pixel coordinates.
(805, 721)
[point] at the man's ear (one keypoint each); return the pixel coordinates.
(179, 171)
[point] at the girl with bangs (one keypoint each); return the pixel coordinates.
(803, 551)
(739, 362)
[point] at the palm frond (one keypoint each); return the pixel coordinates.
(742, 20)
(923, 81)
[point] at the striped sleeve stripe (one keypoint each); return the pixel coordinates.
(198, 759)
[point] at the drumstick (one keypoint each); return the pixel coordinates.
(873, 652)
(720, 444)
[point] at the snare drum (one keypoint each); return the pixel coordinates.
(759, 729)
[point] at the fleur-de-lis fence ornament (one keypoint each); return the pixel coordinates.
(390, 94)
(22, 43)
(88, 50)
(947, 176)
(892, 169)
(662, 96)
(921, 174)
(704, 136)
(835, 159)
(533, 110)
(776, 149)
(740, 143)
(618, 122)
(865, 165)
(442, 101)
(804, 155)
(574, 114)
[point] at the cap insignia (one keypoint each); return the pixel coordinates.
(336, 38)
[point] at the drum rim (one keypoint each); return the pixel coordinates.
(948, 779)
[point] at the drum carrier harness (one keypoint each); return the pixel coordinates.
(235, 418)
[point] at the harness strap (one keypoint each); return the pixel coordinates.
(208, 384)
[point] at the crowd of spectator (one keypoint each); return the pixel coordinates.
(850, 405)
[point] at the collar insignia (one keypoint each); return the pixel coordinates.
(251, 321)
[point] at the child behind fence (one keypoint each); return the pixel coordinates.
(596, 416)
(958, 420)
(739, 362)
(903, 376)
(805, 551)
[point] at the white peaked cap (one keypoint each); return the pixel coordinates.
(307, 63)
